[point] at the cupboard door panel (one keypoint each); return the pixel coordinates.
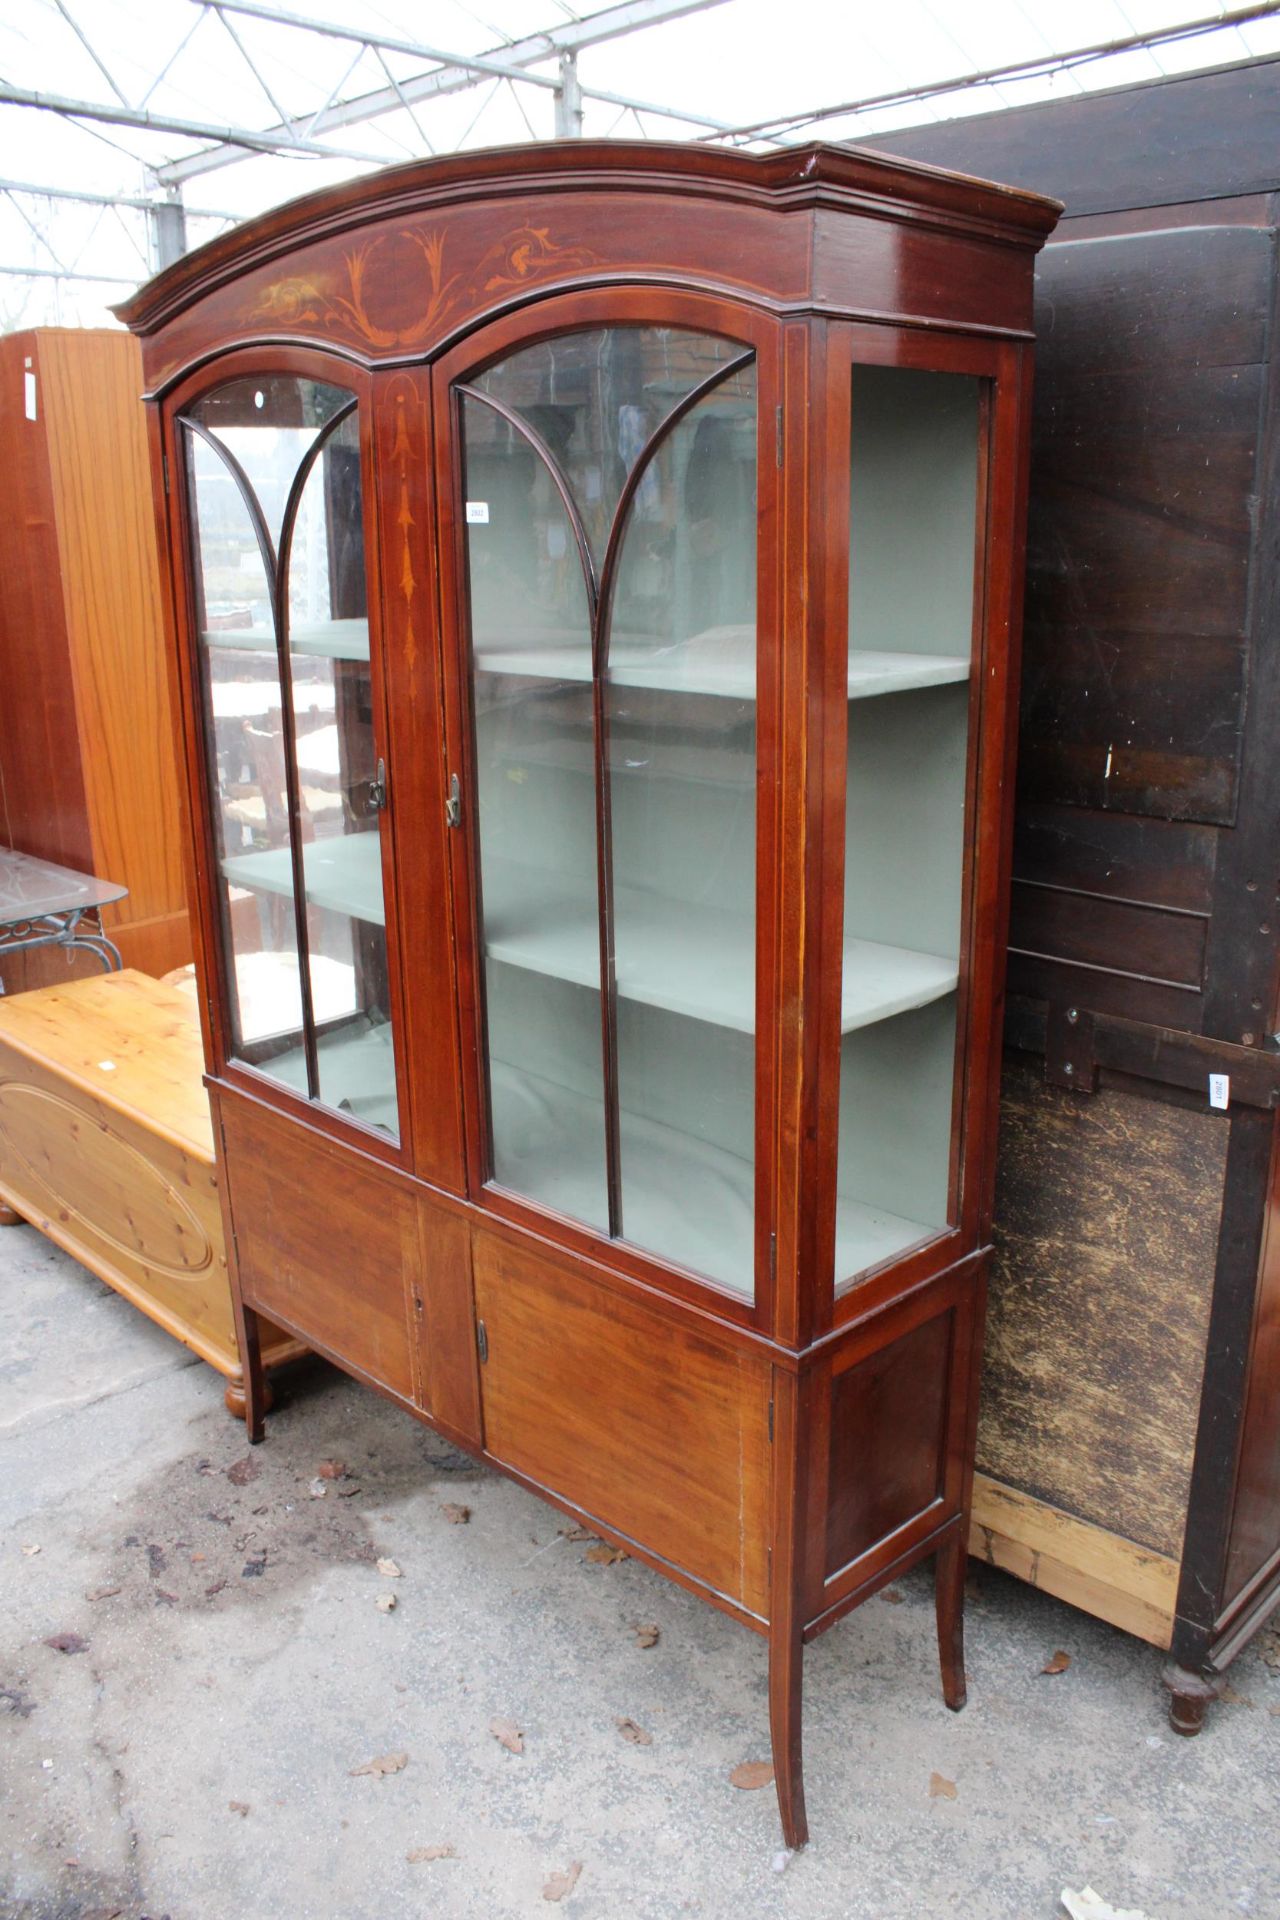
(338, 1273)
(626, 1412)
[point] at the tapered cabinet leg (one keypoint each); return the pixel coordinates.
(8, 1218)
(949, 1576)
(786, 1676)
(252, 1393)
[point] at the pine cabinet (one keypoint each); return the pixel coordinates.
(596, 574)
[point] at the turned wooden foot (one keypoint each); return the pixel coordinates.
(236, 1399)
(949, 1576)
(1189, 1695)
(8, 1218)
(786, 1672)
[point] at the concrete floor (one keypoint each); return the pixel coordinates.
(195, 1760)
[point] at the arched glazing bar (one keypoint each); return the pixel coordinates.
(276, 569)
(599, 585)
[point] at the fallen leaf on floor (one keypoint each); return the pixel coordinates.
(508, 1735)
(385, 1763)
(67, 1643)
(243, 1471)
(317, 1488)
(559, 1884)
(892, 1595)
(31, 1548)
(445, 1852)
(196, 1558)
(647, 1636)
(238, 1806)
(332, 1470)
(1234, 1697)
(603, 1556)
(1091, 1906)
(165, 1599)
(940, 1788)
(14, 1700)
(456, 1515)
(348, 1493)
(750, 1774)
(386, 1603)
(217, 1587)
(576, 1533)
(389, 1570)
(1057, 1663)
(636, 1735)
(101, 1593)
(255, 1565)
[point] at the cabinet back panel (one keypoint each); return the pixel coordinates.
(324, 1241)
(658, 1432)
(895, 1113)
(888, 1430)
(1108, 1212)
(904, 830)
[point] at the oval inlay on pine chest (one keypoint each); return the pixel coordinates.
(87, 1172)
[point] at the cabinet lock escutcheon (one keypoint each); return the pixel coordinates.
(482, 1342)
(453, 805)
(376, 792)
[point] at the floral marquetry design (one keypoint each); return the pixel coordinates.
(396, 260)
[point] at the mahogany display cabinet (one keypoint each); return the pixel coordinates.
(1129, 1445)
(596, 574)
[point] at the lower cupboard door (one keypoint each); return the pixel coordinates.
(325, 1242)
(659, 1433)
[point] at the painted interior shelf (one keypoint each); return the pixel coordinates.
(343, 873)
(680, 1190)
(690, 959)
(721, 661)
(322, 639)
(357, 1073)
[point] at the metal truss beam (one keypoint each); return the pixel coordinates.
(790, 123)
(455, 73)
(138, 202)
(275, 140)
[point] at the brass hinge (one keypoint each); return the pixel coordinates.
(453, 805)
(778, 430)
(482, 1342)
(773, 1259)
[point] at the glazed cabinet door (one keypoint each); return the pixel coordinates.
(275, 491)
(607, 506)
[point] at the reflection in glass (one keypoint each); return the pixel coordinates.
(610, 510)
(275, 481)
(913, 533)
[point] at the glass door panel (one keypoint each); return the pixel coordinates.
(610, 519)
(680, 728)
(244, 725)
(285, 645)
(915, 469)
(535, 773)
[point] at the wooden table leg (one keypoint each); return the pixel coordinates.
(949, 1577)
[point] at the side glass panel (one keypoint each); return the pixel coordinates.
(281, 459)
(610, 511)
(915, 452)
